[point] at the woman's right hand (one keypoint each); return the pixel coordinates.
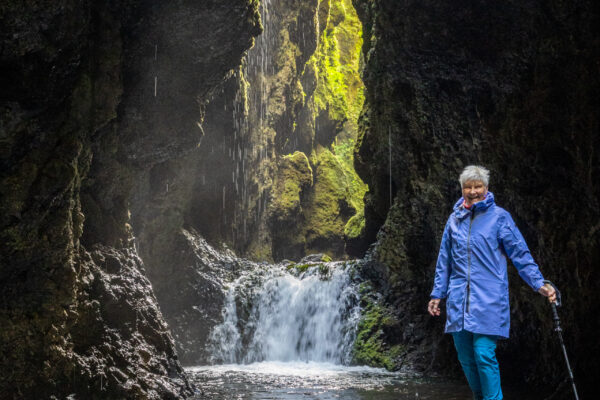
(434, 307)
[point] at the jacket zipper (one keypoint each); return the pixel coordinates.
(469, 261)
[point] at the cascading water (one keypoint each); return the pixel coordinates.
(250, 144)
(279, 315)
(287, 333)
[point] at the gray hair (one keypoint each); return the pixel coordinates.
(474, 173)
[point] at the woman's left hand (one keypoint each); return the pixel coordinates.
(548, 291)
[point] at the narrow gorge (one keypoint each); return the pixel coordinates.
(203, 199)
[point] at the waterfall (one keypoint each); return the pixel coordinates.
(250, 144)
(289, 314)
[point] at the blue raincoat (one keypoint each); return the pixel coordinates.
(471, 268)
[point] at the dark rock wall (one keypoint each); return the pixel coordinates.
(84, 140)
(512, 86)
(199, 60)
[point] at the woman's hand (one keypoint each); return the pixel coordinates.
(548, 291)
(433, 307)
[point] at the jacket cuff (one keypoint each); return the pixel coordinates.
(538, 284)
(437, 295)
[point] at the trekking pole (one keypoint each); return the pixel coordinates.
(558, 330)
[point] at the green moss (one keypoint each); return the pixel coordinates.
(287, 53)
(370, 347)
(340, 91)
(316, 217)
(339, 87)
(344, 152)
(323, 214)
(324, 270)
(304, 267)
(330, 93)
(294, 176)
(325, 258)
(355, 225)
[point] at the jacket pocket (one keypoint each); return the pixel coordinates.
(489, 304)
(455, 302)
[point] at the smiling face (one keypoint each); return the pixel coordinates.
(473, 192)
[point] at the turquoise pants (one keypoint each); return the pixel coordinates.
(477, 355)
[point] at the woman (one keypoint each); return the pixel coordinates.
(471, 273)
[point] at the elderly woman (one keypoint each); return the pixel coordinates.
(471, 274)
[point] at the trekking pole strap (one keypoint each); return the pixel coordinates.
(558, 301)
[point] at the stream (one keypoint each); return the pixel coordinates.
(312, 380)
(287, 333)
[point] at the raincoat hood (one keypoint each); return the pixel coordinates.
(461, 211)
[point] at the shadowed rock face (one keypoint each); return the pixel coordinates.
(193, 295)
(512, 86)
(80, 130)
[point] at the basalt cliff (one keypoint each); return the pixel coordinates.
(512, 86)
(93, 96)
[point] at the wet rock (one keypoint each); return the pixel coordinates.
(80, 126)
(312, 206)
(498, 85)
(193, 295)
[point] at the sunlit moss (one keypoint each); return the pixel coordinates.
(323, 216)
(295, 174)
(356, 187)
(355, 225)
(340, 91)
(331, 91)
(339, 87)
(304, 267)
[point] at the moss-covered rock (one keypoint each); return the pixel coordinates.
(311, 217)
(370, 347)
(294, 177)
(327, 209)
(338, 96)
(374, 345)
(287, 219)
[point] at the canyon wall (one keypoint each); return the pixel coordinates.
(511, 86)
(94, 96)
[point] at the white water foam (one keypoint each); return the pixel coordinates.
(301, 369)
(311, 317)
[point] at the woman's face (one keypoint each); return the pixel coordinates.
(473, 191)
